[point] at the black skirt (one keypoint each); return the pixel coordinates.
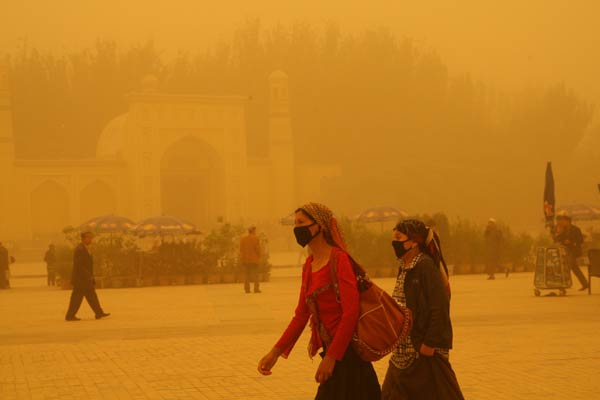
(352, 379)
(428, 378)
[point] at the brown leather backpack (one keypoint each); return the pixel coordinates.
(382, 322)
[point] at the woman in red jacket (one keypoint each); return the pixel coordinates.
(341, 375)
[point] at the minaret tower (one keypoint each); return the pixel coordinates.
(281, 148)
(7, 148)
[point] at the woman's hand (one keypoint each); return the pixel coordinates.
(426, 351)
(325, 369)
(267, 362)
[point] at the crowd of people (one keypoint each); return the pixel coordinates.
(419, 366)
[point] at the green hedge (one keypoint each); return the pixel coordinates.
(119, 255)
(462, 242)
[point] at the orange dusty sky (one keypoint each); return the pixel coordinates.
(509, 44)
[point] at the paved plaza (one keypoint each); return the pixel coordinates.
(204, 342)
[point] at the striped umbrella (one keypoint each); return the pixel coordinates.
(289, 220)
(381, 214)
(108, 224)
(163, 226)
(580, 212)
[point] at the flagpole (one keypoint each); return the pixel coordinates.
(549, 199)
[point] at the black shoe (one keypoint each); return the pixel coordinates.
(491, 278)
(72, 319)
(257, 291)
(584, 288)
(103, 315)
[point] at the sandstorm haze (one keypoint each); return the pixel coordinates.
(508, 43)
(424, 106)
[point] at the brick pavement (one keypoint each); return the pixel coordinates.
(203, 342)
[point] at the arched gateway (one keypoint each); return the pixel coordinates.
(192, 181)
(183, 155)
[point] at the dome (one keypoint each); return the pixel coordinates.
(278, 76)
(110, 142)
(149, 83)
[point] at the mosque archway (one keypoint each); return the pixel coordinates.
(192, 182)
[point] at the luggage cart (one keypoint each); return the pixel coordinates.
(551, 270)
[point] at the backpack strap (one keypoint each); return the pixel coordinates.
(363, 283)
(362, 279)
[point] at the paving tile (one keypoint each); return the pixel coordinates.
(203, 342)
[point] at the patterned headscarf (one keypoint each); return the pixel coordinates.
(323, 216)
(428, 241)
(416, 230)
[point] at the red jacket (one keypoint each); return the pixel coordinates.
(339, 318)
(250, 249)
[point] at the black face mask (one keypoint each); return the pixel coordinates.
(399, 249)
(303, 235)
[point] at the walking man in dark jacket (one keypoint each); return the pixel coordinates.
(50, 259)
(83, 281)
(493, 247)
(4, 265)
(570, 236)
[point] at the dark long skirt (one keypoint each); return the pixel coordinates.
(429, 378)
(352, 379)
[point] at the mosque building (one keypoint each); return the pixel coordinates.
(169, 154)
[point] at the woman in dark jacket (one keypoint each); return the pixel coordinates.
(419, 367)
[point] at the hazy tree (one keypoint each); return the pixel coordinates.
(380, 106)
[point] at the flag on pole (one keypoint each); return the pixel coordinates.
(549, 200)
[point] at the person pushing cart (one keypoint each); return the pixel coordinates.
(570, 237)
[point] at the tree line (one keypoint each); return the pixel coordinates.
(380, 106)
